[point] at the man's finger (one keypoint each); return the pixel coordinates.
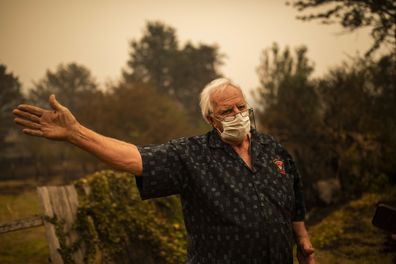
(309, 251)
(55, 104)
(26, 115)
(33, 132)
(27, 123)
(310, 259)
(306, 247)
(31, 109)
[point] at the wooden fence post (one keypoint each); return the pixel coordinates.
(60, 202)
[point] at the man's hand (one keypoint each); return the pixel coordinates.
(58, 124)
(305, 251)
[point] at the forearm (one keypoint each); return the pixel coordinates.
(305, 250)
(116, 153)
(300, 232)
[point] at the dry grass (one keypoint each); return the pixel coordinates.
(347, 235)
(24, 246)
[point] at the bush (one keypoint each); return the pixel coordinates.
(113, 222)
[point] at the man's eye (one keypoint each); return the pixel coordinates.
(241, 107)
(226, 112)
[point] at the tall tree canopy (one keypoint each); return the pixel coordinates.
(340, 126)
(74, 86)
(380, 15)
(10, 96)
(359, 109)
(151, 57)
(138, 113)
(133, 111)
(289, 107)
(180, 72)
(286, 95)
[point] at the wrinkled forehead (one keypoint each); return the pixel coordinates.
(226, 97)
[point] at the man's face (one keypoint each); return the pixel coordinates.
(227, 103)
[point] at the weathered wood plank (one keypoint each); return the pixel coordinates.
(62, 202)
(20, 224)
(53, 242)
(72, 199)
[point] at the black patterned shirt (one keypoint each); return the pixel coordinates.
(233, 214)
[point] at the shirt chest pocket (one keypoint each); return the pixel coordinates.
(281, 184)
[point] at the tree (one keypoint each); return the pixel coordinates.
(151, 57)
(10, 97)
(356, 14)
(138, 113)
(158, 61)
(194, 67)
(358, 114)
(287, 96)
(76, 88)
(289, 108)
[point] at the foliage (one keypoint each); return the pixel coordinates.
(290, 107)
(157, 100)
(156, 59)
(132, 112)
(284, 78)
(10, 97)
(151, 56)
(64, 251)
(358, 106)
(337, 126)
(349, 234)
(74, 86)
(355, 14)
(136, 113)
(112, 218)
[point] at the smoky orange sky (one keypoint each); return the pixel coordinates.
(37, 35)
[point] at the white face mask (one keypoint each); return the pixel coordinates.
(235, 131)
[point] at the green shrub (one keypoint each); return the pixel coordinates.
(114, 222)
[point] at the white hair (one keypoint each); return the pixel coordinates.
(217, 85)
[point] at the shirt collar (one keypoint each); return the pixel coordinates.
(260, 138)
(215, 140)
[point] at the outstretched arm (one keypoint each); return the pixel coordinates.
(60, 124)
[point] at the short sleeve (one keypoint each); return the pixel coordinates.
(299, 206)
(162, 170)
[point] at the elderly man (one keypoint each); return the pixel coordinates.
(240, 190)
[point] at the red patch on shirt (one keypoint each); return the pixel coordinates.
(279, 166)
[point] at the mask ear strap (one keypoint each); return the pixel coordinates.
(252, 119)
(218, 130)
(209, 118)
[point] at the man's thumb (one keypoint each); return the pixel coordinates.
(309, 250)
(54, 103)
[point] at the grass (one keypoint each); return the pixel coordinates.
(347, 235)
(24, 246)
